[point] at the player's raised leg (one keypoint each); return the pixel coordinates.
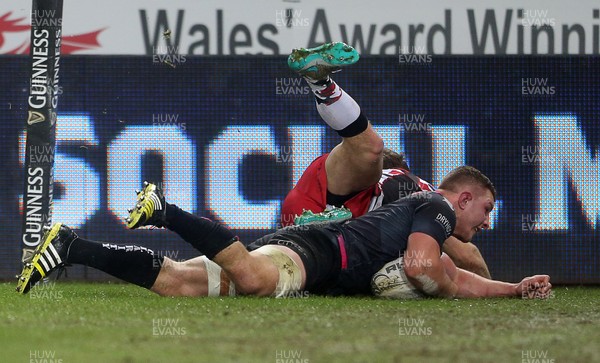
(356, 163)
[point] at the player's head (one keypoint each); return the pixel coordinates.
(473, 196)
(394, 160)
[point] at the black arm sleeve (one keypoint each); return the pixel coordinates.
(434, 217)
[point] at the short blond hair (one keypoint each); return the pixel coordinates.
(466, 175)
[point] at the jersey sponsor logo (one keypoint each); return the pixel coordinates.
(441, 219)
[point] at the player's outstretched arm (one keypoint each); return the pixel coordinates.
(437, 275)
(471, 285)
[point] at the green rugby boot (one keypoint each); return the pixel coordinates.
(335, 214)
(318, 63)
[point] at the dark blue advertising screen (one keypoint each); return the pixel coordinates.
(227, 138)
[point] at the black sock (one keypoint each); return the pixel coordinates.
(206, 236)
(356, 127)
(134, 264)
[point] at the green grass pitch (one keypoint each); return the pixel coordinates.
(76, 322)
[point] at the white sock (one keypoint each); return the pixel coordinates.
(341, 113)
(335, 106)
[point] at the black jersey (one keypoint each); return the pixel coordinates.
(380, 236)
(342, 257)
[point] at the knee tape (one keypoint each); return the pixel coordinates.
(218, 283)
(290, 277)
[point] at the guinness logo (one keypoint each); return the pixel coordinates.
(35, 117)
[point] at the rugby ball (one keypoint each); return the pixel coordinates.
(391, 282)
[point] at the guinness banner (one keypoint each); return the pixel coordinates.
(44, 50)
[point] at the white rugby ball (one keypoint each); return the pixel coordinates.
(391, 282)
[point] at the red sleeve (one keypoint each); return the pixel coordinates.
(309, 193)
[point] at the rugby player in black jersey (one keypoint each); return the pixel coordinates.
(338, 258)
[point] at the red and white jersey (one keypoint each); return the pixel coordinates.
(395, 184)
(310, 193)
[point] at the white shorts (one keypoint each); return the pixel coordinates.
(290, 276)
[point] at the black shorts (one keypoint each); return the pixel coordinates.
(317, 247)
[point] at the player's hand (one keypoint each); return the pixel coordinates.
(535, 287)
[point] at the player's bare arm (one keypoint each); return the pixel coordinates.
(471, 285)
(438, 276)
(424, 267)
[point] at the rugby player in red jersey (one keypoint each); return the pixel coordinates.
(359, 173)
